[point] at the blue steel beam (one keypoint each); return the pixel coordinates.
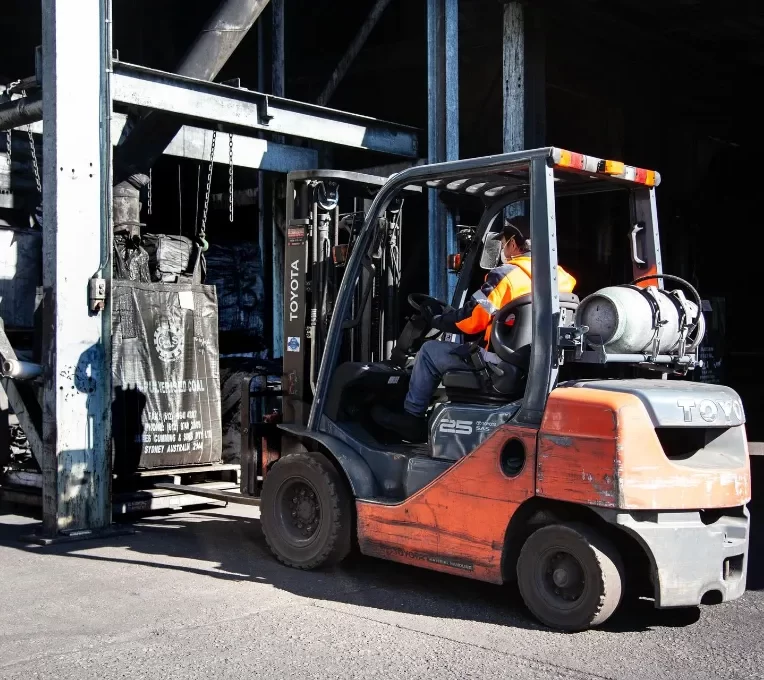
(452, 120)
(278, 80)
(443, 133)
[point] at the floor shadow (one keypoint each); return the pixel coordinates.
(236, 548)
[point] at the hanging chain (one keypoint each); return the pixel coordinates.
(230, 177)
(151, 192)
(202, 228)
(35, 167)
(8, 139)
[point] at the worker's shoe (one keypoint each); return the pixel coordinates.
(407, 426)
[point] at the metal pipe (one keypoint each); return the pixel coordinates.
(352, 51)
(219, 38)
(21, 111)
(210, 51)
(21, 370)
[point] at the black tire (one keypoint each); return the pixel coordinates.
(570, 577)
(306, 512)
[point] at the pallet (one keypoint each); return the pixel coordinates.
(216, 493)
(224, 472)
(159, 498)
(143, 492)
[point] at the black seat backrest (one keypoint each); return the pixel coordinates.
(513, 343)
(521, 331)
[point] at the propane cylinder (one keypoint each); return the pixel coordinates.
(624, 319)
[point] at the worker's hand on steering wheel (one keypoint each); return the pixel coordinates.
(428, 308)
(425, 312)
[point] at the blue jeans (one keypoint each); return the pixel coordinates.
(432, 361)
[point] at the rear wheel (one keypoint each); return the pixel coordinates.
(570, 577)
(306, 512)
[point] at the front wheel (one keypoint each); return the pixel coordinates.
(306, 512)
(570, 577)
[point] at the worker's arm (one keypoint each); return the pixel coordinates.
(475, 316)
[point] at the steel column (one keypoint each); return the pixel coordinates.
(77, 350)
(514, 85)
(277, 216)
(443, 133)
(452, 122)
(270, 212)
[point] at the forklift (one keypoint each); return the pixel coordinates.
(578, 488)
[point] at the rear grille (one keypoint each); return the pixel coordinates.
(680, 443)
(704, 447)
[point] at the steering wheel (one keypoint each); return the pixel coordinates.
(416, 332)
(419, 300)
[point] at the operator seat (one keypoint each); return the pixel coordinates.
(488, 383)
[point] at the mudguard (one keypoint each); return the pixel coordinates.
(357, 471)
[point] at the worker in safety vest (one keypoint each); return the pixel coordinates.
(504, 283)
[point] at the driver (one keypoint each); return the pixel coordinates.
(502, 284)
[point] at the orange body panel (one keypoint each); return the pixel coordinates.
(600, 448)
(456, 524)
(652, 270)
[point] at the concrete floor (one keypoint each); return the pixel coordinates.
(196, 595)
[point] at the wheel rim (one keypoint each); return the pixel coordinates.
(299, 511)
(560, 578)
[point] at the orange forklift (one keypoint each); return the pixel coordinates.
(579, 488)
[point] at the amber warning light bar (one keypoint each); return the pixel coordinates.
(570, 160)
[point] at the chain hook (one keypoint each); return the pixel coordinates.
(230, 177)
(203, 226)
(35, 166)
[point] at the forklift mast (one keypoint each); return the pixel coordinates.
(325, 212)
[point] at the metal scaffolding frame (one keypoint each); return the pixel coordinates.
(79, 138)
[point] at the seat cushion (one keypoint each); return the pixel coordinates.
(462, 380)
(467, 386)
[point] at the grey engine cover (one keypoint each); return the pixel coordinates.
(678, 403)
